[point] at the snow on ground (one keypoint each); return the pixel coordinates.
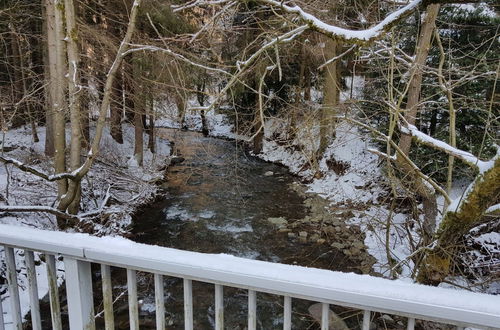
(129, 186)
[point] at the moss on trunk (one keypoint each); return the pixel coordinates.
(484, 192)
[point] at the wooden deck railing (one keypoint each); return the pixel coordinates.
(78, 251)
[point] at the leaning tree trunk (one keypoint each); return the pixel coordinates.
(457, 222)
(414, 89)
(421, 53)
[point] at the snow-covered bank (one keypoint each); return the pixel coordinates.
(354, 181)
(115, 185)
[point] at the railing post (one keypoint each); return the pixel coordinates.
(219, 307)
(79, 293)
(411, 324)
(2, 327)
(159, 302)
(366, 320)
(15, 306)
(325, 316)
(55, 307)
(287, 313)
(133, 307)
(188, 304)
(107, 297)
(252, 310)
(29, 258)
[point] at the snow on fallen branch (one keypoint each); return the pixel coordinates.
(34, 171)
(347, 35)
(495, 209)
(465, 156)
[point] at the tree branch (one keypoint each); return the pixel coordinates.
(36, 208)
(465, 156)
(34, 171)
(352, 36)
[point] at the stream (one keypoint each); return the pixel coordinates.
(222, 200)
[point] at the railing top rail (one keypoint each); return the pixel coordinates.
(360, 291)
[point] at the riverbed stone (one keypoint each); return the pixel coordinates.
(314, 237)
(303, 234)
(335, 321)
(269, 173)
(337, 245)
(280, 222)
(292, 235)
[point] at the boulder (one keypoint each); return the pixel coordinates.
(335, 321)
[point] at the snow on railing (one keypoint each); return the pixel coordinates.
(78, 251)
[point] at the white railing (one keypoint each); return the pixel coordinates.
(78, 251)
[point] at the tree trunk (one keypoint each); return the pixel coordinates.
(415, 86)
(181, 109)
(139, 131)
(28, 103)
(421, 53)
(457, 222)
(201, 101)
(49, 118)
(116, 110)
(58, 87)
(139, 111)
(71, 199)
(330, 98)
(151, 126)
(16, 119)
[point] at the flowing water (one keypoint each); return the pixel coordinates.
(219, 200)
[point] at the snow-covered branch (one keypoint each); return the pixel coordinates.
(494, 210)
(367, 35)
(465, 156)
(34, 171)
(37, 208)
